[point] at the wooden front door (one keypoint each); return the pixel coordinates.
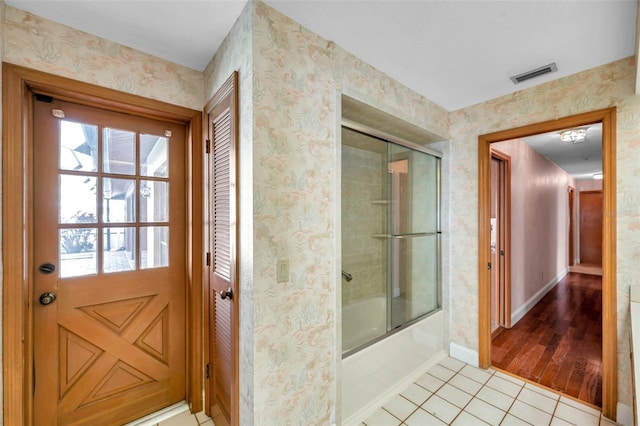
(109, 238)
(591, 227)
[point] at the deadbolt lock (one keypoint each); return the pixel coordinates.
(47, 268)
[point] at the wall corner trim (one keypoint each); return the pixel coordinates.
(464, 354)
(625, 415)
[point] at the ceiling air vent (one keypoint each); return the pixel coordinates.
(552, 67)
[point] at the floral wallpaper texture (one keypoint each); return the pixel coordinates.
(41, 44)
(605, 86)
(297, 81)
(236, 54)
(290, 81)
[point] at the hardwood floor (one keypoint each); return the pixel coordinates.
(558, 343)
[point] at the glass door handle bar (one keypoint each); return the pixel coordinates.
(419, 234)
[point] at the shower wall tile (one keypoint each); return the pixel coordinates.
(363, 256)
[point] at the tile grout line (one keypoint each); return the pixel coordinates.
(411, 414)
(513, 402)
(430, 396)
(522, 387)
(553, 416)
(472, 396)
(491, 374)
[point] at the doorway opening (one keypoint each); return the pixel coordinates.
(608, 305)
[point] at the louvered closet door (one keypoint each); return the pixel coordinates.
(223, 295)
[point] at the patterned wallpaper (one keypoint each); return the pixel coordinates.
(601, 87)
(298, 78)
(38, 43)
(290, 180)
(294, 218)
(290, 106)
(236, 53)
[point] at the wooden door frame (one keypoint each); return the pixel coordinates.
(18, 87)
(504, 265)
(607, 117)
(572, 223)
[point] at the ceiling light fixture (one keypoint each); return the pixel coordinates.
(573, 135)
(597, 176)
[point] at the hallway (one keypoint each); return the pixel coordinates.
(558, 344)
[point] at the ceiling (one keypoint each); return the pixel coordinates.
(580, 160)
(454, 52)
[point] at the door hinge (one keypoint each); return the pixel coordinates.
(501, 252)
(208, 370)
(44, 98)
(207, 146)
(489, 265)
(208, 259)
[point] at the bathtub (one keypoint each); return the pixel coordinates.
(371, 376)
(363, 322)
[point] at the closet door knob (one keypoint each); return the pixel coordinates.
(226, 293)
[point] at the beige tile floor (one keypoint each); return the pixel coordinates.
(187, 419)
(454, 393)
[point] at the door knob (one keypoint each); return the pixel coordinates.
(47, 298)
(47, 268)
(226, 293)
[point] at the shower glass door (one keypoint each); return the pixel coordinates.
(364, 239)
(414, 232)
(390, 236)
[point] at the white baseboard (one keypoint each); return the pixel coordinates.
(464, 354)
(624, 415)
(522, 310)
